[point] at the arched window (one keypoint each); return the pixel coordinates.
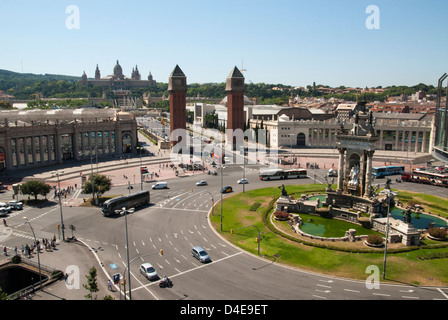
(301, 140)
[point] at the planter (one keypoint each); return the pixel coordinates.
(435, 238)
(373, 245)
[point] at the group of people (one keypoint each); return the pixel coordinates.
(27, 250)
(64, 192)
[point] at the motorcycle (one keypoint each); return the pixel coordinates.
(165, 283)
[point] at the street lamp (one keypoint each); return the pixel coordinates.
(125, 212)
(38, 257)
(60, 204)
(141, 174)
(388, 193)
(222, 167)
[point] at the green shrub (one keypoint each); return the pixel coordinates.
(255, 206)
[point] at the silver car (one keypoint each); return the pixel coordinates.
(200, 254)
(148, 271)
(16, 205)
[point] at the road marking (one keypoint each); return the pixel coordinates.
(350, 290)
(443, 293)
(409, 297)
(324, 291)
(381, 294)
(321, 285)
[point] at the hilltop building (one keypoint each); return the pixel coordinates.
(118, 81)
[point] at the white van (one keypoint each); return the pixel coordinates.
(160, 185)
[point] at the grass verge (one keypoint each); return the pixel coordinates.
(404, 264)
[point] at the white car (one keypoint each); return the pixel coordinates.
(5, 208)
(148, 271)
(201, 183)
(243, 181)
(16, 205)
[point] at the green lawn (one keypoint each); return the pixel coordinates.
(246, 223)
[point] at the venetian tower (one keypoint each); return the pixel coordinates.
(235, 102)
(177, 88)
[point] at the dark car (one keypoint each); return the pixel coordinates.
(226, 189)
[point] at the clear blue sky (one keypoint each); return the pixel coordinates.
(292, 42)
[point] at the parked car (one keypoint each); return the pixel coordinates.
(148, 271)
(16, 205)
(5, 207)
(243, 181)
(200, 254)
(201, 183)
(226, 189)
(332, 173)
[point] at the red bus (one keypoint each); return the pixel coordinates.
(426, 177)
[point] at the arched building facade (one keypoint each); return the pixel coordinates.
(38, 138)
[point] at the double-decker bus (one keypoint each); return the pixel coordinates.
(278, 174)
(379, 172)
(426, 177)
(111, 206)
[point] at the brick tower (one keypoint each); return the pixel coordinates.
(177, 87)
(235, 100)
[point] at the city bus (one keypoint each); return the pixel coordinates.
(426, 177)
(111, 206)
(278, 174)
(380, 172)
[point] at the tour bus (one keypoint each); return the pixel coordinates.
(114, 206)
(379, 172)
(278, 174)
(426, 177)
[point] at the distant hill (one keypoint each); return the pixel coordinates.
(10, 75)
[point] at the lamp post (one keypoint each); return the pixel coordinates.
(91, 172)
(388, 193)
(38, 257)
(141, 174)
(60, 204)
(125, 212)
(221, 192)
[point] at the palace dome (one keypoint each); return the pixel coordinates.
(118, 71)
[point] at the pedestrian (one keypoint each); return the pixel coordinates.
(23, 249)
(15, 250)
(5, 251)
(109, 285)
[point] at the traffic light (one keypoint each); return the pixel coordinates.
(257, 239)
(161, 252)
(231, 231)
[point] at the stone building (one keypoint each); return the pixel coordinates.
(38, 138)
(118, 81)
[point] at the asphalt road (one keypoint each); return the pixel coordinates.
(177, 220)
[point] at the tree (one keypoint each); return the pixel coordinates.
(92, 285)
(101, 184)
(35, 188)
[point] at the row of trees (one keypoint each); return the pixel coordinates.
(34, 188)
(28, 87)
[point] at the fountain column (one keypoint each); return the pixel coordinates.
(341, 170)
